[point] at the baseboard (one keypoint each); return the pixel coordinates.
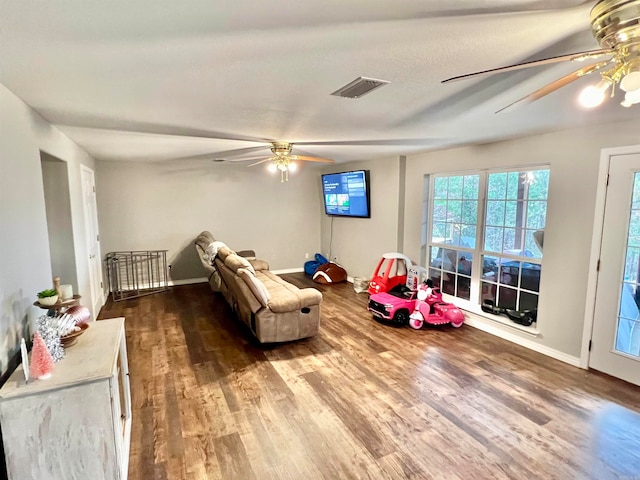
(288, 270)
(486, 326)
(187, 281)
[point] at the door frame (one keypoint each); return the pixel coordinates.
(100, 299)
(596, 244)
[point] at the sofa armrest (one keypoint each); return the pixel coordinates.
(258, 264)
(309, 297)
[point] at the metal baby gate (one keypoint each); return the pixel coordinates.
(136, 273)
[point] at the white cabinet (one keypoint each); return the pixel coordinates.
(76, 424)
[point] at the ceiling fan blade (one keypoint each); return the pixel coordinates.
(579, 56)
(555, 85)
(306, 158)
(258, 163)
(241, 151)
(390, 142)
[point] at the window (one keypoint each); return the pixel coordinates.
(454, 219)
(484, 236)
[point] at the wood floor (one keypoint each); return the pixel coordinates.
(360, 400)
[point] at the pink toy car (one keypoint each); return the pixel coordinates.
(401, 306)
(394, 306)
(429, 308)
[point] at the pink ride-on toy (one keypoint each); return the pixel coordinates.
(429, 308)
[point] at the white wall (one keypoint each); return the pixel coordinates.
(25, 266)
(573, 156)
(149, 206)
(358, 243)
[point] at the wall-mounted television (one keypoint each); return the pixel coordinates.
(347, 194)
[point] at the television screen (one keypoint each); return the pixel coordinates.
(346, 194)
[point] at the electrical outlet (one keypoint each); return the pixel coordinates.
(306, 255)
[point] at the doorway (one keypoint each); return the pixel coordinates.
(615, 334)
(55, 180)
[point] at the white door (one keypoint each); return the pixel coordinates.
(615, 347)
(93, 239)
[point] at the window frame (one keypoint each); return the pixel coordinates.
(479, 252)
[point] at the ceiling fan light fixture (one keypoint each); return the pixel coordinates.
(272, 168)
(293, 167)
(631, 81)
(631, 98)
(593, 95)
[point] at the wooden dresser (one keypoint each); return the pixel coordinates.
(76, 424)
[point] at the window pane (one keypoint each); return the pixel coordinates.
(470, 212)
(513, 183)
(465, 261)
(528, 301)
(463, 287)
(509, 272)
(471, 186)
(449, 260)
(439, 210)
(468, 236)
(448, 284)
(455, 188)
(531, 245)
(634, 224)
(530, 276)
(636, 192)
(497, 186)
(493, 239)
(490, 268)
(539, 188)
(536, 214)
(495, 213)
(488, 294)
(441, 187)
(507, 297)
(511, 212)
(510, 244)
(439, 232)
(454, 228)
(631, 264)
(435, 276)
(454, 211)
(435, 256)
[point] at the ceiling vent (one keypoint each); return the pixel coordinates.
(359, 87)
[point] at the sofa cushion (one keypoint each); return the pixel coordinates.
(256, 286)
(234, 262)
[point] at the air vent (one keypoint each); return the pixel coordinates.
(359, 87)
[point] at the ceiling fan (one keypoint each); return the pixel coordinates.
(282, 160)
(615, 24)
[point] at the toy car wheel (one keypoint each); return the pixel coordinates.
(401, 318)
(457, 324)
(415, 323)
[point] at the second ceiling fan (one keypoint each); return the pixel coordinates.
(615, 24)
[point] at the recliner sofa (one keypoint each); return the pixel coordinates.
(274, 309)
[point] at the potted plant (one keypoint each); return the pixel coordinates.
(48, 297)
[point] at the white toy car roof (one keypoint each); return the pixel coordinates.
(398, 256)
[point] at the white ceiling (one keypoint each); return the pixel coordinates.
(155, 80)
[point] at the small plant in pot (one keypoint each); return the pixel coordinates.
(48, 297)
